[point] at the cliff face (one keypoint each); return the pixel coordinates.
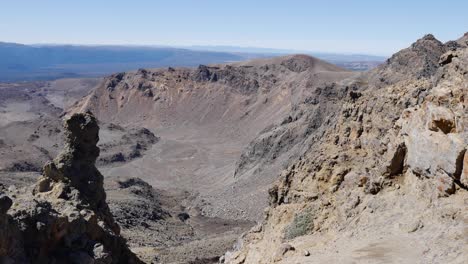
(64, 217)
(384, 174)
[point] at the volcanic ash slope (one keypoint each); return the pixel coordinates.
(205, 117)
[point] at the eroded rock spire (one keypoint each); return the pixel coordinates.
(66, 219)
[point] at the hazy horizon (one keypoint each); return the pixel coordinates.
(212, 48)
(363, 27)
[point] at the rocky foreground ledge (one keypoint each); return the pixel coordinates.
(64, 217)
(386, 179)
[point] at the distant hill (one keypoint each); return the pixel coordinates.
(47, 62)
(321, 55)
(328, 56)
(23, 62)
(355, 62)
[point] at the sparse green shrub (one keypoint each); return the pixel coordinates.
(301, 225)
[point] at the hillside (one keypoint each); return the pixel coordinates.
(204, 118)
(169, 141)
(388, 166)
(49, 62)
(352, 167)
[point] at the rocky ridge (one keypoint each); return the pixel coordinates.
(204, 117)
(64, 217)
(372, 160)
(387, 164)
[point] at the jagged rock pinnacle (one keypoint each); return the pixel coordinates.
(66, 219)
(75, 165)
(82, 135)
(429, 37)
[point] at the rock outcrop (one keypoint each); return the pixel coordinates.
(387, 164)
(419, 61)
(64, 217)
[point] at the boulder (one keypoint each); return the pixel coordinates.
(432, 146)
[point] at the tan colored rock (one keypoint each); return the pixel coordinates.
(414, 119)
(464, 174)
(441, 119)
(431, 151)
(282, 250)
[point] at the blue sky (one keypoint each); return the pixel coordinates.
(365, 26)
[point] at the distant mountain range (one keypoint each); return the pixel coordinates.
(342, 57)
(20, 62)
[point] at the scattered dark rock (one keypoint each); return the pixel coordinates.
(23, 166)
(183, 216)
(118, 157)
(202, 74)
(354, 95)
(299, 63)
(212, 260)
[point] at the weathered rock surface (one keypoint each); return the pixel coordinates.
(387, 165)
(64, 218)
(419, 61)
